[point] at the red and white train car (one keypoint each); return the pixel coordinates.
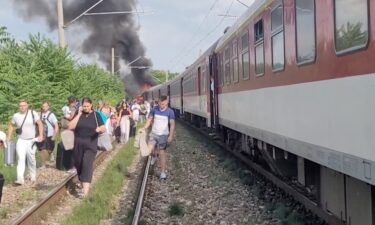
(299, 76)
(175, 97)
(196, 88)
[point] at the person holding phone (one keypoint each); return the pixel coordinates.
(87, 126)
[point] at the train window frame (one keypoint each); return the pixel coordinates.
(276, 31)
(257, 42)
(234, 78)
(227, 61)
(243, 52)
(311, 61)
(221, 70)
(358, 47)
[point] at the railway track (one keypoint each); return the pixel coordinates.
(287, 188)
(38, 211)
(141, 192)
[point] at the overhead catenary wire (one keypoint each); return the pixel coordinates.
(177, 57)
(202, 39)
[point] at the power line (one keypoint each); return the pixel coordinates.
(177, 57)
(204, 38)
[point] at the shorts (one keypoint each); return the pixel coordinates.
(160, 141)
(46, 144)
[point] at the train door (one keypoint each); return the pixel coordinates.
(199, 81)
(169, 95)
(213, 93)
(181, 95)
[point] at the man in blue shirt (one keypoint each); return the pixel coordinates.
(162, 119)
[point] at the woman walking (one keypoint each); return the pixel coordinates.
(124, 115)
(86, 125)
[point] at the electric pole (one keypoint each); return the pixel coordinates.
(60, 18)
(113, 61)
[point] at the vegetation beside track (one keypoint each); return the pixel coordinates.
(38, 70)
(97, 205)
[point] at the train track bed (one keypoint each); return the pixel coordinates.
(204, 188)
(67, 204)
(280, 203)
(16, 199)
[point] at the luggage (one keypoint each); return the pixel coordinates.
(133, 131)
(104, 142)
(1, 185)
(10, 153)
(64, 159)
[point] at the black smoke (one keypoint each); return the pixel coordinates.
(105, 32)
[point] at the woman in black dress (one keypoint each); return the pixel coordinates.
(86, 125)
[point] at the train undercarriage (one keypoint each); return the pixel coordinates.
(350, 200)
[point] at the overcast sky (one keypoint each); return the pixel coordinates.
(174, 34)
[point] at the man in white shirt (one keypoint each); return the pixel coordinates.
(25, 121)
(51, 129)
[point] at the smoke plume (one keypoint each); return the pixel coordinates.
(105, 32)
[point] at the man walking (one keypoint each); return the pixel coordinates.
(25, 122)
(51, 129)
(162, 119)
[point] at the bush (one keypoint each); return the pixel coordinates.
(38, 70)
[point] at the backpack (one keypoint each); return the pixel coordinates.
(45, 125)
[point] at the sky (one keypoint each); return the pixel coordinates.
(174, 33)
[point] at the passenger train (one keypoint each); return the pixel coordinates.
(292, 85)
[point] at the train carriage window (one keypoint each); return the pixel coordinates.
(235, 74)
(227, 66)
(245, 56)
(221, 70)
(351, 25)
(277, 38)
(305, 30)
(259, 52)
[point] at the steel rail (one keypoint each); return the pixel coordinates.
(35, 213)
(288, 189)
(138, 209)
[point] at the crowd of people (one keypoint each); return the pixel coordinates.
(37, 131)
(80, 129)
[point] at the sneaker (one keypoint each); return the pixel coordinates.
(52, 158)
(42, 167)
(163, 175)
(153, 160)
(73, 170)
(19, 182)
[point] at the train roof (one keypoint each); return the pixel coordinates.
(250, 13)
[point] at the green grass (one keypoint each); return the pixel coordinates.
(97, 205)
(176, 209)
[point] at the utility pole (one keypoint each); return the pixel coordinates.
(113, 61)
(166, 75)
(60, 18)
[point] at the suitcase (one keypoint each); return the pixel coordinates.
(10, 153)
(64, 159)
(1, 185)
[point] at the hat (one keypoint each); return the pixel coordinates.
(3, 138)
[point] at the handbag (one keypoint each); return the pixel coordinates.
(19, 130)
(104, 140)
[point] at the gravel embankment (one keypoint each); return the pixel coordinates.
(202, 188)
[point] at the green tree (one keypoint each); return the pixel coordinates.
(350, 36)
(38, 70)
(160, 76)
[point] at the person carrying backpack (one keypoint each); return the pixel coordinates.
(50, 131)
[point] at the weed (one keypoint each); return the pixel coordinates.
(176, 209)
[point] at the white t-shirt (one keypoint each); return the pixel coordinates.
(28, 128)
(51, 124)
